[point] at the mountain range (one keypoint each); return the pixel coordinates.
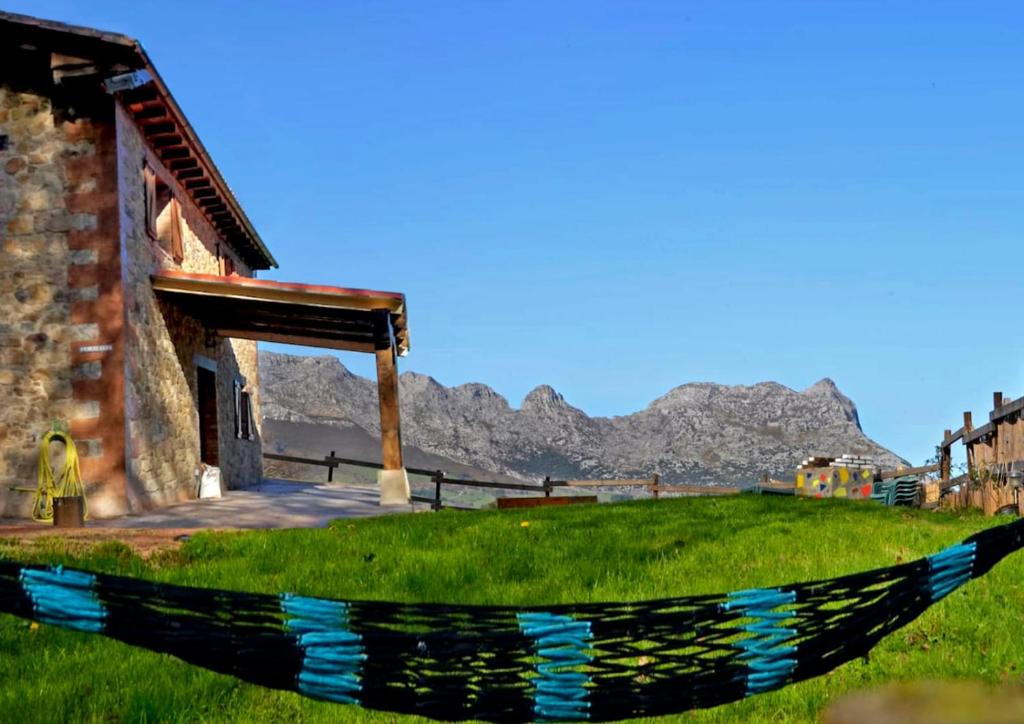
(698, 432)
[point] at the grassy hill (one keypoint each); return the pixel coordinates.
(635, 550)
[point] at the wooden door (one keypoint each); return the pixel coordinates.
(208, 443)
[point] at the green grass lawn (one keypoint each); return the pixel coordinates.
(636, 550)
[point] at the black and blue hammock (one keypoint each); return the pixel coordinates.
(594, 661)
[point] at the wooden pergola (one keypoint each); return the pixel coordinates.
(358, 320)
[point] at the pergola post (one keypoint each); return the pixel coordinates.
(393, 480)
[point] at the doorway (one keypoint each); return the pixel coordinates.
(207, 392)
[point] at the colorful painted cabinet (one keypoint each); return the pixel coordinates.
(835, 482)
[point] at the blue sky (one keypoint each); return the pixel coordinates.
(617, 198)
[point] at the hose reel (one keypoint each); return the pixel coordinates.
(59, 482)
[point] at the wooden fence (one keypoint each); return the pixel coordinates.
(439, 479)
(995, 459)
(990, 497)
(995, 446)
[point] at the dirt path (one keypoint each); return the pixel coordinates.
(144, 541)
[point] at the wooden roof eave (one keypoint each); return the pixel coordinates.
(214, 173)
(244, 290)
(168, 133)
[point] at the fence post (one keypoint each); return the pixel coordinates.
(968, 426)
(547, 486)
(945, 456)
(330, 468)
(655, 479)
(438, 480)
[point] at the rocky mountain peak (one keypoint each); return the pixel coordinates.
(314, 364)
(421, 381)
(825, 386)
(542, 397)
(828, 391)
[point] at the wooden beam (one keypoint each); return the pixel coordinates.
(300, 329)
(387, 393)
(296, 339)
(700, 489)
(978, 433)
(330, 320)
(259, 290)
(1007, 409)
(158, 128)
(154, 113)
(167, 140)
(952, 437)
(602, 483)
(899, 472)
(145, 122)
(945, 485)
(336, 334)
(174, 153)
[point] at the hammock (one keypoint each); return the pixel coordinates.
(595, 661)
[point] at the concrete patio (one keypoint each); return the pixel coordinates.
(272, 504)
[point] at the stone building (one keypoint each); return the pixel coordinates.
(129, 307)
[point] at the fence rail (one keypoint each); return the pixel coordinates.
(439, 479)
(331, 462)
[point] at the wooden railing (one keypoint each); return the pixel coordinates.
(439, 479)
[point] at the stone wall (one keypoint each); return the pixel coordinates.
(60, 294)
(162, 345)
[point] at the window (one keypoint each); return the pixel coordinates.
(245, 427)
(163, 215)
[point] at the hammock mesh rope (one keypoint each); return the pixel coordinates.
(594, 661)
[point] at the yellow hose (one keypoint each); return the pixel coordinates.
(68, 484)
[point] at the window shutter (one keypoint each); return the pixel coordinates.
(238, 410)
(177, 248)
(251, 427)
(149, 179)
